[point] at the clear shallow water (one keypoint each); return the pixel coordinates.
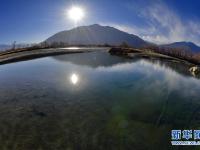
(95, 101)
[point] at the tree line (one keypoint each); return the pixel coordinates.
(175, 52)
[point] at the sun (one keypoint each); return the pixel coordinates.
(76, 13)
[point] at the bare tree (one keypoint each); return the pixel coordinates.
(14, 45)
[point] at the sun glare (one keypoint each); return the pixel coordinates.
(76, 14)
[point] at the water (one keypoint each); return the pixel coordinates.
(95, 101)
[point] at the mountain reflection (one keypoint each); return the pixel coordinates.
(103, 59)
(92, 59)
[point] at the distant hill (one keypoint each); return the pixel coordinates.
(7, 46)
(184, 45)
(96, 35)
(4, 47)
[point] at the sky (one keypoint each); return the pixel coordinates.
(158, 21)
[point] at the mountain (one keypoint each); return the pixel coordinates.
(184, 45)
(96, 35)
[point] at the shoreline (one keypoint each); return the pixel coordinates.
(7, 57)
(12, 57)
(138, 53)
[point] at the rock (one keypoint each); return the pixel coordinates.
(195, 70)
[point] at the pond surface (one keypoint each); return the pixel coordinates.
(95, 101)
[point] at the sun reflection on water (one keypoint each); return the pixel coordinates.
(74, 78)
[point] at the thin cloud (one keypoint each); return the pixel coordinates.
(163, 25)
(170, 27)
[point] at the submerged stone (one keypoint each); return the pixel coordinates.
(195, 70)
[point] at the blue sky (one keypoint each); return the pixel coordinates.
(159, 21)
